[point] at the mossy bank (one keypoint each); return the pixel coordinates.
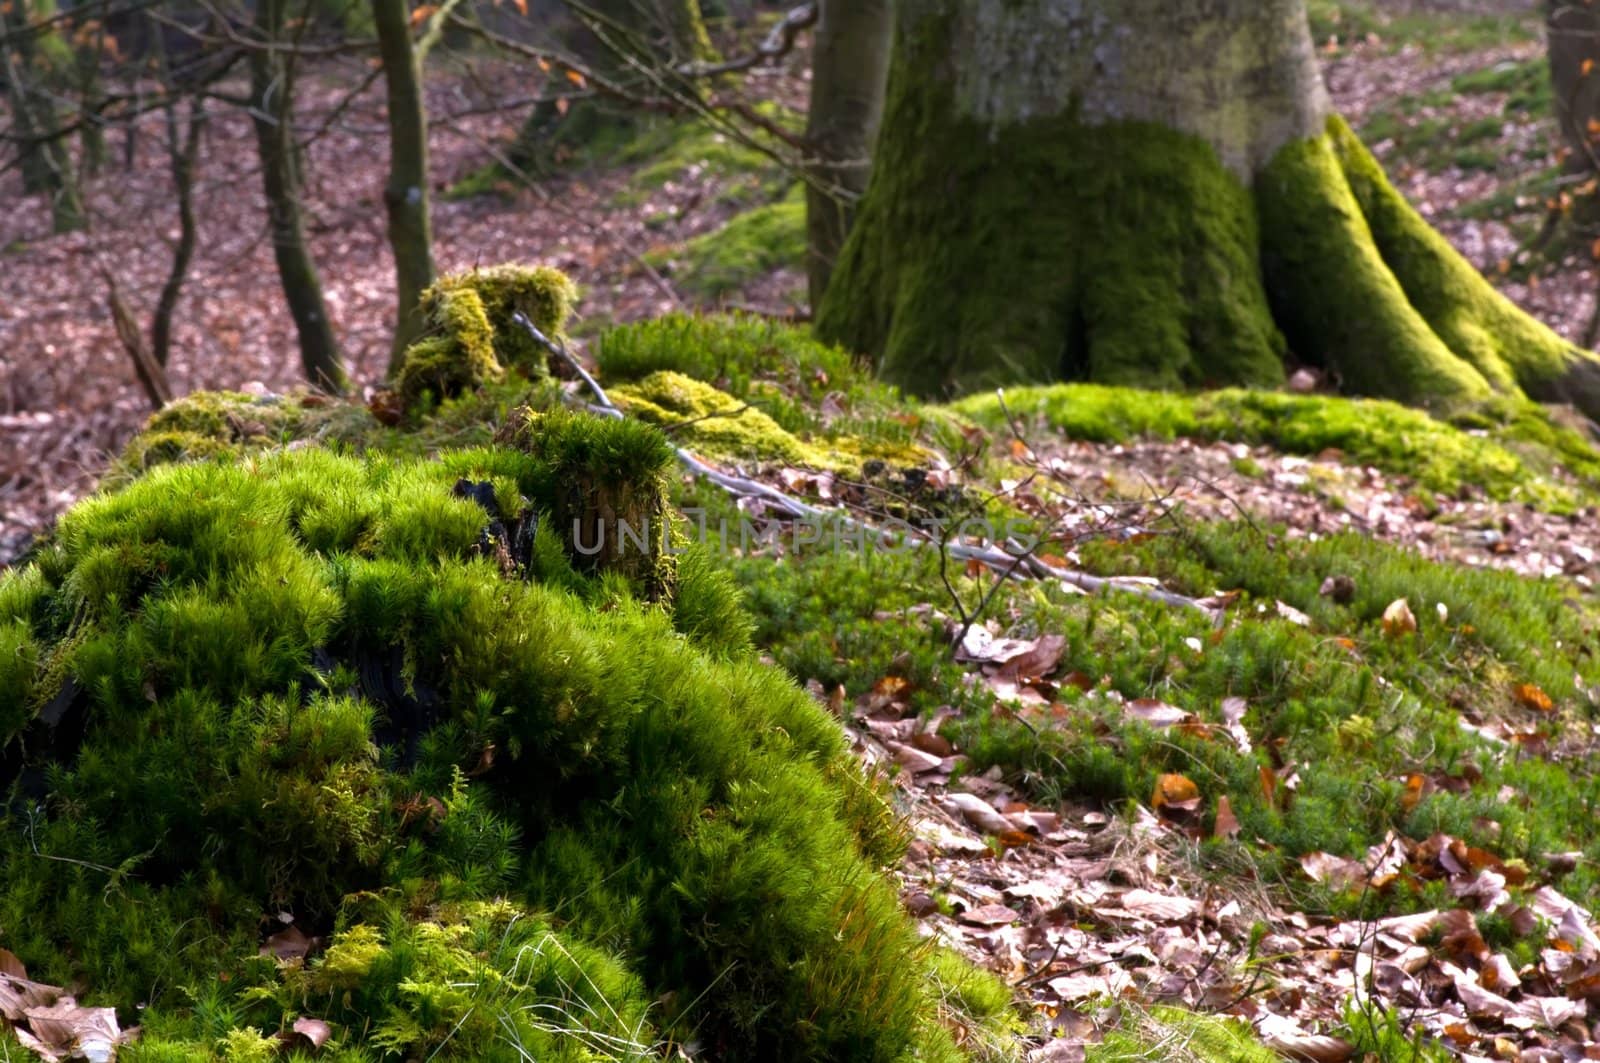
(516, 804)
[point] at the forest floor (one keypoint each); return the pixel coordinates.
(1327, 925)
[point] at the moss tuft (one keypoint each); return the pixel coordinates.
(471, 338)
(816, 392)
(747, 248)
(1172, 1034)
(717, 422)
(457, 356)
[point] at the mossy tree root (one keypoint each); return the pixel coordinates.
(1360, 283)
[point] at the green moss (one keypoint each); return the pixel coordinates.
(669, 150)
(306, 683)
(714, 423)
(748, 247)
(1514, 451)
(1122, 253)
(1172, 1034)
(471, 337)
(816, 392)
(1340, 699)
(458, 356)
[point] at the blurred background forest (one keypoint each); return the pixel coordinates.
(139, 242)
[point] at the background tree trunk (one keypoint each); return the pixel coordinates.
(37, 69)
(850, 61)
(405, 195)
(272, 108)
(1573, 31)
(183, 151)
(1061, 188)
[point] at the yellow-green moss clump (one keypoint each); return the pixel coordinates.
(715, 424)
(471, 338)
(1167, 1034)
(381, 694)
(834, 414)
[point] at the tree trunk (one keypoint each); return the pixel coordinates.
(183, 152)
(272, 97)
(850, 61)
(1155, 192)
(36, 70)
(1573, 31)
(405, 195)
(1572, 223)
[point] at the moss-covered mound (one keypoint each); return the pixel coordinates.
(368, 716)
(472, 339)
(1508, 449)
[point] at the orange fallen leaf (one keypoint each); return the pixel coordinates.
(1417, 787)
(1176, 796)
(1014, 839)
(1534, 698)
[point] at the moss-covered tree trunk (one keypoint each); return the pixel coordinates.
(405, 194)
(849, 61)
(1155, 192)
(272, 109)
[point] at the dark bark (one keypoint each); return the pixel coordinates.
(91, 94)
(151, 373)
(850, 61)
(182, 152)
(405, 194)
(1573, 31)
(272, 97)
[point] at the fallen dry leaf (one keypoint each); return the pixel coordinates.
(1398, 619)
(1530, 696)
(988, 915)
(977, 811)
(1176, 796)
(1227, 825)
